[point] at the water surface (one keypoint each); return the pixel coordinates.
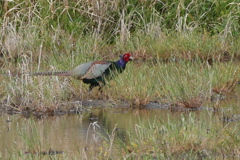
(73, 133)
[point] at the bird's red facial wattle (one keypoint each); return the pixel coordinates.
(127, 57)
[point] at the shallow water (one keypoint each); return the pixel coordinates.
(70, 133)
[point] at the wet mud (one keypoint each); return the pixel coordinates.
(78, 107)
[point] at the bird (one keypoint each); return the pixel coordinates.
(94, 73)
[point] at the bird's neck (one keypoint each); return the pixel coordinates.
(121, 63)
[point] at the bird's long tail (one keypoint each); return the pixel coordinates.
(61, 73)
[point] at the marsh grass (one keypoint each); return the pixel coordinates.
(185, 41)
(183, 83)
(187, 138)
(187, 53)
(31, 145)
(187, 135)
(180, 83)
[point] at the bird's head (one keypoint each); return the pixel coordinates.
(127, 57)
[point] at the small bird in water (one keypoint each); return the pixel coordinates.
(94, 73)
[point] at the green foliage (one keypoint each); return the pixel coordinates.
(112, 18)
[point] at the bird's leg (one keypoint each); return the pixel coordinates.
(90, 89)
(101, 87)
(100, 91)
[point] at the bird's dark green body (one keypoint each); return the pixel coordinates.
(108, 74)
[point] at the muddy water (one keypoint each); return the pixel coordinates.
(71, 133)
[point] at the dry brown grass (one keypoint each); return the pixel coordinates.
(188, 103)
(226, 88)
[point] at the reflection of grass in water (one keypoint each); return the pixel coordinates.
(188, 137)
(33, 146)
(30, 136)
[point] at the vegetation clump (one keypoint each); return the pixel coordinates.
(186, 51)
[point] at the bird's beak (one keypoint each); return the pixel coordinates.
(131, 58)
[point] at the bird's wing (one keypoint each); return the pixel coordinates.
(81, 70)
(96, 69)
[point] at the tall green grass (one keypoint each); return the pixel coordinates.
(177, 28)
(178, 83)
(47, 24)
(174, 83)
(181, 38)
(111, 18)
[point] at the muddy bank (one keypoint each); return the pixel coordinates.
(75, 107)
(79, 107)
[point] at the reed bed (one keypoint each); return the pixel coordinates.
(185, 51)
